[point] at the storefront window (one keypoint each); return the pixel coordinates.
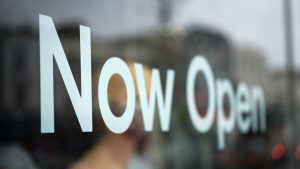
(149, 84)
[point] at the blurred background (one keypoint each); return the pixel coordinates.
(253, 41)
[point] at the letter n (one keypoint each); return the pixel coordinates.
(51, 47)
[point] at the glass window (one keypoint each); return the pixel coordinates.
(149, 84)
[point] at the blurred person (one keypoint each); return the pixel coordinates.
(117, 151)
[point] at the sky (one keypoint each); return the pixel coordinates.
(253, 23)
(256, 24)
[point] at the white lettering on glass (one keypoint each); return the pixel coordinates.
(111, 67)
(51, 47)
(200, 64)
(164, 105)
(225, 124)
(246, 107)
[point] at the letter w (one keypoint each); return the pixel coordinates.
(164, 105)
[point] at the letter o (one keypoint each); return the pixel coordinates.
(113, 66)
(200, 64)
